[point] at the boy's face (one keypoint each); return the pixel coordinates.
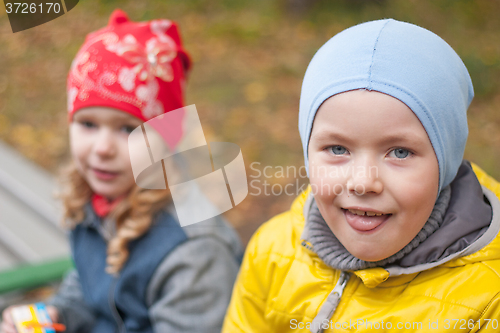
(370, 155)
(99, 146)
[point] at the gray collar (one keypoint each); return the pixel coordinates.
(106, 227)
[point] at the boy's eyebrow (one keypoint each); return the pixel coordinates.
(401, 138)
(328, 135)
(405, 138)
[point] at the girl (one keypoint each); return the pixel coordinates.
(136, 270)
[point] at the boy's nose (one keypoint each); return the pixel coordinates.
(105, 145)
(364, 180)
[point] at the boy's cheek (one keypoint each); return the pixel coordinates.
(327, 188)
(411, 187)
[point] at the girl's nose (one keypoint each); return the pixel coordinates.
(105, 145)
(364, 179)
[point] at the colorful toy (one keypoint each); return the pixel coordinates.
(34, 318)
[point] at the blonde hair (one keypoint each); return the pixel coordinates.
(133, 215)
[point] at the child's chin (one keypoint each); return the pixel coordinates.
(104, 191)
(368, 255)
(373, 259)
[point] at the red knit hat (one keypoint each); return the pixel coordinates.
(136, 67)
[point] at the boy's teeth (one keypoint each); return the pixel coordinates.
(357, 212)
(362, 213)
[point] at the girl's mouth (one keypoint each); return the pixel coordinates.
(104, 175)
(365, 221)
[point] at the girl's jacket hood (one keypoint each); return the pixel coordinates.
(282, 281)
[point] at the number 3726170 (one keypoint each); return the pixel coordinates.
(32, 8)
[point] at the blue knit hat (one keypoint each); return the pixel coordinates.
(404, 61)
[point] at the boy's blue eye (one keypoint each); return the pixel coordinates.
(338, 150)
(401, 153)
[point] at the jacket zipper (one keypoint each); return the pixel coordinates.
(114, 310)
(326, 311)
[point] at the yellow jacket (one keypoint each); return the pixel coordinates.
(282, 285)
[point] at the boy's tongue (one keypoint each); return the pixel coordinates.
(364, 223)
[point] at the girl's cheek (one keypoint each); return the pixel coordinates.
(125, 152)
(75, 140)
(76, 148)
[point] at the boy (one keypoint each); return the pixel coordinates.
(396, 231)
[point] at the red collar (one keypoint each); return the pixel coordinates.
(102, 206)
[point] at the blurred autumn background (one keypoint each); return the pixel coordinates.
(249, 61)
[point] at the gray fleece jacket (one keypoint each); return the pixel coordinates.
(188, 292)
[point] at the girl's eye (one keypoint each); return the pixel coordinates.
(127, 129)
(337, 150)
(400, 153)
(88, 124)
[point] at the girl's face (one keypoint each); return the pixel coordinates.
(99, 146)
(373, 172)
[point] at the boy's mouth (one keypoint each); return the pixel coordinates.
(364, 220)
(362, 212)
